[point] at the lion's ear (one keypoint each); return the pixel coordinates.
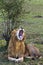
(13, 32)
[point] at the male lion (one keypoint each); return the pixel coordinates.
(16, 47)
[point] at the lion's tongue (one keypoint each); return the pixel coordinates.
(20, 37)
(20, 34)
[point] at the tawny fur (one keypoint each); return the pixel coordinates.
(31, 50)
(16, 48)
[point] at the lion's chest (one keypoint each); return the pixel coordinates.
(19, 45)
(19, 48)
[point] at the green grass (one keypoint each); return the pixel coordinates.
(33, 25)
(35, 2)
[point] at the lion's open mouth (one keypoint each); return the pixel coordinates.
(19, 34)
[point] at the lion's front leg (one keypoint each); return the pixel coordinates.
(10, 49)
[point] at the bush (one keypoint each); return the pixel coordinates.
(2, 43)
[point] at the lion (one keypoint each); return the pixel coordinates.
(16, 47)
(31, 51)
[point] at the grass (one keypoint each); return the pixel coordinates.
(33, 25)
(35, 2)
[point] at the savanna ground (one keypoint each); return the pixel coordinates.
(33, 24)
